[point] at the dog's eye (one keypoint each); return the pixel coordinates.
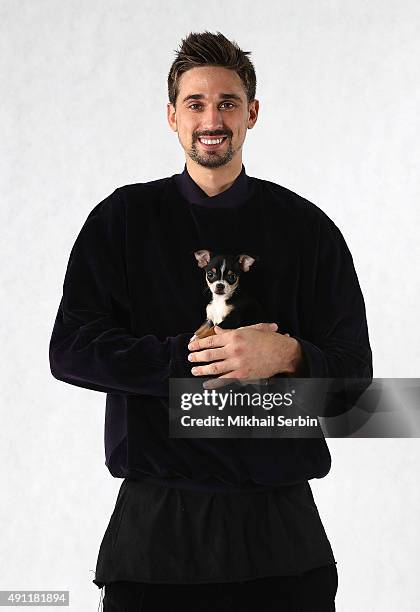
(210, 275)
(231, 278)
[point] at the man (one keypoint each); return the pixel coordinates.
(206, 524)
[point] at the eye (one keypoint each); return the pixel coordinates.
(210, 275)
(231, 278)
(192, 106)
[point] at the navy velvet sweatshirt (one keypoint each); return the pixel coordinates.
(133, 295)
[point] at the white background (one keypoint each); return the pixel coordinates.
(83, 91)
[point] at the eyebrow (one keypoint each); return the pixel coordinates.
(233, 96)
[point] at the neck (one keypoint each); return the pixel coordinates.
(214, 180)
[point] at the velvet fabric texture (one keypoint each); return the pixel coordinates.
(133, 295)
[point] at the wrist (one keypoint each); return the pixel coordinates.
(295, 358)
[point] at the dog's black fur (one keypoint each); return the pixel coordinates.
(229, 307)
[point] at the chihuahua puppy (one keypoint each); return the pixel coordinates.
(229, 307)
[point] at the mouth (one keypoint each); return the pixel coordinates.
(212, 142)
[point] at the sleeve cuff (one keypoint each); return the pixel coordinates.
(179, 366)
(314, 361)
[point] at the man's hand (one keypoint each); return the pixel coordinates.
(251, 352)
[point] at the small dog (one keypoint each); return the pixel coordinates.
(229, 307)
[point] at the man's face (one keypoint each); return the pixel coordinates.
(211, 102)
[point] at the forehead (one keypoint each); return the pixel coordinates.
(210, 81)
(217, 262)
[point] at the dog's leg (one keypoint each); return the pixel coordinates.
(205, 330)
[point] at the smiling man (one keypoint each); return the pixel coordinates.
(211, 114)
(227, 115)
(206, 524)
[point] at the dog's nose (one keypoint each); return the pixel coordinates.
(220, 286)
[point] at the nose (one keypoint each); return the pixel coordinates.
(219, 286)
(212, 118)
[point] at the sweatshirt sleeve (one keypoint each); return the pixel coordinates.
(336, 340)
(89, 345)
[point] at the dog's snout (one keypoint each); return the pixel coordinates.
(220, 286)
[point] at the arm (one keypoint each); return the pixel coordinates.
(89, 346)
(336, 340)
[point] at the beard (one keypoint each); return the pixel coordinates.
(211, 159)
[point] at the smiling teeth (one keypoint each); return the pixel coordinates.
(211, 141)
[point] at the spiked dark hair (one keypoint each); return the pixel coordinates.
(208, 49)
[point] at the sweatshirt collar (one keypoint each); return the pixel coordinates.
(232, 197)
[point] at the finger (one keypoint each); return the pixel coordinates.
(208, 354)
(221, 330)
(217, 367)
(229, 378)
(221, 381)
(215, 383)
(263, 326)
(205, 343)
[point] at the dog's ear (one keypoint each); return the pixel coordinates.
(203, 257)
(246, 261)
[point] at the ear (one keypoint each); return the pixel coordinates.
(245, 261)
(203, 257)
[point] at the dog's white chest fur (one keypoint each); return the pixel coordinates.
(218, 310)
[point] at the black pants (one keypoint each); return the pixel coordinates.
(314, 591)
